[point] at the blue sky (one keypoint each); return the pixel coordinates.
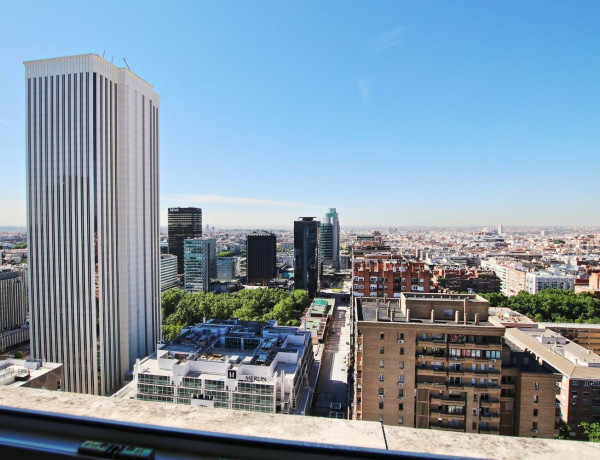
(397, 113)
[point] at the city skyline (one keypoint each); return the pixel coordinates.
(483, 115)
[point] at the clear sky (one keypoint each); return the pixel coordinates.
(395, 112)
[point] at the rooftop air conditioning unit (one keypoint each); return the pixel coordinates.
(380, 396)
(421, 356)
(400, 384)
(493, 360)
(400, 340)
(534, 430)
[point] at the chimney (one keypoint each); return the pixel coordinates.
(432, 315)
(457, 316)
(408, 315)
(393, 315)
(389, 310)
(476, 319)
(377, 313)
(465, 311)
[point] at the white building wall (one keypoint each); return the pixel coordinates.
(92, 178)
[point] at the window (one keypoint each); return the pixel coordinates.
(536, 386)
(401, 336)
(381, 377)
(381, 418)
(401, 364)
(474, 426)
(381, 363)
(401, 350)
(474, 411)
(587, 383)
(381, 391)
(575, 383)
(400, 420)
(400, 394)
(535, 398)
(381, 336)
(475, 397)
(381, 350)
(401, 379)
(381, 404)
(535, 412)
(401, 406)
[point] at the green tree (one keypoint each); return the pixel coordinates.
(563, 431)
(169, 300)
(591, 430)
(19, 354)
(495, 299)
(225, 254)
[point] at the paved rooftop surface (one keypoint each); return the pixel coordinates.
(296, 428)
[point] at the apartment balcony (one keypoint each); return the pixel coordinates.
(455, 385)
(421, 357)
(488, 430)
(491, 402)
(447, 426)
(431, 385)
(508, 385)
(489, 416)
(460, 401)
(431, 342)
(485, 386)
(435, 412)
(431, 370)
(456, 373)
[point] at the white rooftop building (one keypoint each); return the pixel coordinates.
(231, 364)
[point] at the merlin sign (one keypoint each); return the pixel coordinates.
(255, 378)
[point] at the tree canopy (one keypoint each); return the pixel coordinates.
(180, 308)
(554, 305)
(225, 254)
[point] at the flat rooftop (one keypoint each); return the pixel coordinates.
(232, 341)
(568, 358)
(296, 429)
(367, 311)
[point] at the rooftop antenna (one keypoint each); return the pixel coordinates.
(125, 61)
(103, 51)
(111, 59)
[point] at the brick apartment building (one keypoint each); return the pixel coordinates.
(434, 361)
(461, 280)
(387, 275)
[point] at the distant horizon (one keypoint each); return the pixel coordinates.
(6, 228)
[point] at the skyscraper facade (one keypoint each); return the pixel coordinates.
(13, 307)
(183, 223)
(330, 239)
(261, 249)
(197, 262)
(307, 266)
(93, 221)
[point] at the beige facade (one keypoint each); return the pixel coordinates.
(433, 361)
(515, 281)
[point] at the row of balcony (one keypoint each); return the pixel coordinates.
(427, 356)
(443, 342)
(444, 413)
(455, 385)
(438, 370)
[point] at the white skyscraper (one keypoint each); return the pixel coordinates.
(93, 222)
